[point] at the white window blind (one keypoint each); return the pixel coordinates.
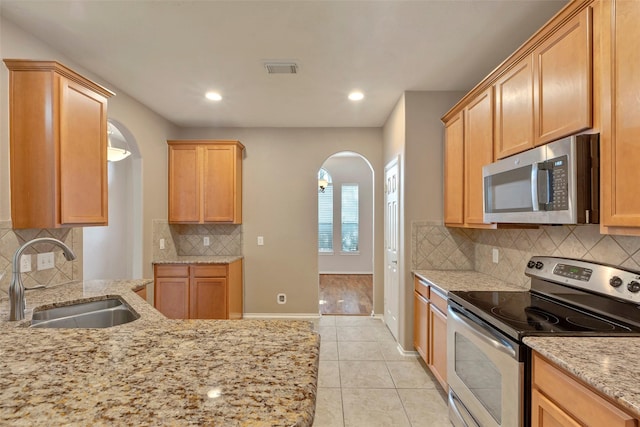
(350, 217)
(325, 219)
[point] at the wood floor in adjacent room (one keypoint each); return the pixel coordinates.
(346, 294)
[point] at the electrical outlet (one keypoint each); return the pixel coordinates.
(260, 240)
(25, 263)
(161, 243)
(207, 242)
(45, 261)
(495, 254)
(282, 298)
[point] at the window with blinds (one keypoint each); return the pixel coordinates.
(350, 217)
(325, 215)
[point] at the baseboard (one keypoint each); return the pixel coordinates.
(287, 316)
(346, 272)
(407, 353)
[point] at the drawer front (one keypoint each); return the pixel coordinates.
(421, 287)
(172, 270)
(210, 270)
(439, 300)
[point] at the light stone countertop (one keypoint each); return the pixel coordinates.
(200, 259)
(154, 371)
(607, 364)
(465, 280)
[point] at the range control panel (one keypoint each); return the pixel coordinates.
(604, 279)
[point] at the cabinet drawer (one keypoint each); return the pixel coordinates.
(210, 270)
(172, 270)
(439, 301)
(421, 287)
(575, 398)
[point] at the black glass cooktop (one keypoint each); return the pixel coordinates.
(520, 314)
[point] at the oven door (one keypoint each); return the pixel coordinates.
(484, 372)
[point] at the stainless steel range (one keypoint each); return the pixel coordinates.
(488, 365)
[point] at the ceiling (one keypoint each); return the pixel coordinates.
(167, 54)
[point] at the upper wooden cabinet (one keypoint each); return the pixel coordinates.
(468, 147)
(514, 110)
(620, 135)
(454, 170)
(562, 80)
(205, 182)
(58, 146)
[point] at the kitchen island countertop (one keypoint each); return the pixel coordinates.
(154, 371)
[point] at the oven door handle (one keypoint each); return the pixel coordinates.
(483, 332)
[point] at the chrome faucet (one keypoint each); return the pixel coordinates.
(16, 289)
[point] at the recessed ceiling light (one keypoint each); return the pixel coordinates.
(356, 96)
(214, 96)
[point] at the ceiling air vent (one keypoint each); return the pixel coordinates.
(281, 67)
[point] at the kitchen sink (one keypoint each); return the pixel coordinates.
(104, 313)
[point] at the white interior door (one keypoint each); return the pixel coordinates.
(391, 233)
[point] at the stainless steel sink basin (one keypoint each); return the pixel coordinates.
(89, 314)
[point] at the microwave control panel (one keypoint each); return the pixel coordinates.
(558, 184)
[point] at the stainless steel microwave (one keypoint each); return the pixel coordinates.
(556, 183)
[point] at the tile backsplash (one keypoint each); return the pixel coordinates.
(188, 240)
(435, 246)
(64, 271)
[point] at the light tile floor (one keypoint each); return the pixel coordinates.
(365, 381)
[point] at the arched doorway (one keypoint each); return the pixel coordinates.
(345, 235)
(120, 243)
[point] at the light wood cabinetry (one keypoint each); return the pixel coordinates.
(430, 328)
(468, 147)
(514, 110)
(620, 136)
(562, 80)
(199, 291)
(205, 182)
(58, 146)
(454, 171)
(559, 399)
(142, 293)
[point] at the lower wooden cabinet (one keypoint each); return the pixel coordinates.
(560, 400)
(142, 293)
(430, 328)
(199, 291)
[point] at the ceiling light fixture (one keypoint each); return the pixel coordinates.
(213, 96)
(356, 96)
(117, 146)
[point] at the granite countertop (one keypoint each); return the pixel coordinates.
(213, 259)
(154, 371)
(606, 364)
(464, 280)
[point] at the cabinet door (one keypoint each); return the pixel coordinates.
(219, 184)
(208, 298)
(544, 413)
(184, 184)
(438, 345)
(620, 137)
(514, 110)
(171, 296)
(420, 324)
(83, 155)
(454, 171)
(478, 151)
(562, 80)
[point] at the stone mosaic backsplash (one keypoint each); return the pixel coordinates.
(188, 240)
(64, 271)
(442, 248)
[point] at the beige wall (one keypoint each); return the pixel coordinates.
(414, 132)
(149, 129)
(280, 203)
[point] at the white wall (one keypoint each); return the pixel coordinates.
(350, 170)
(280, 202)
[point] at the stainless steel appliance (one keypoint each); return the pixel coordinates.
(488, 365)
(556, 183)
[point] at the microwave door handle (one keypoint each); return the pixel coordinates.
(534, 188)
